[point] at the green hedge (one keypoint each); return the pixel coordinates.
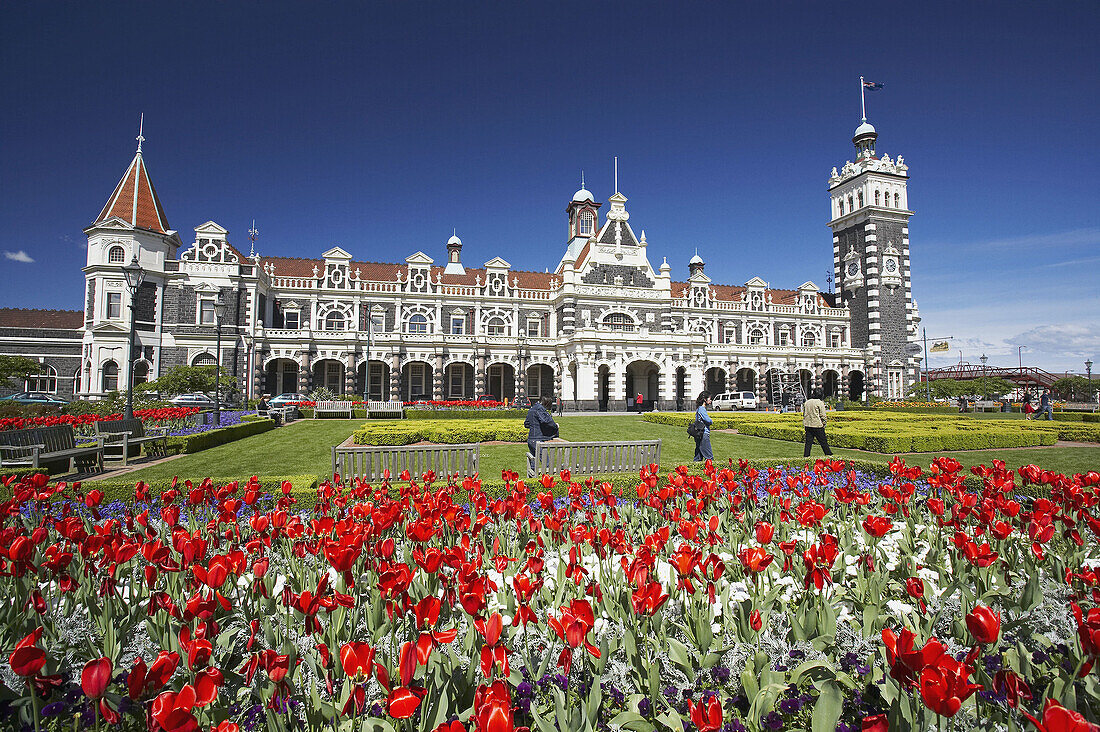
(465, 413)
(893, 434)
(440, 431)
(19, 473)
(118, 489)
(213, 438)
(1076, 417)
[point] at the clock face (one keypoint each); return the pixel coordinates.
(853, 268)
(891, 265)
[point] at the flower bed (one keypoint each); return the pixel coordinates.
(441, 431)
(163, 416)
(733, 599)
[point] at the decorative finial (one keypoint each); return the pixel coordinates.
(616, 173)
(252, 234)
(582, 177)
(141, 126)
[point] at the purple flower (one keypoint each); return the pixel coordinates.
(790, 706)
(773, 721)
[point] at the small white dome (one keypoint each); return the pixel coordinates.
(583, 195)
(454, 240)
(865, 129)
(696, 260)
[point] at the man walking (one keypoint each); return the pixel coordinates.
(540, 425)
(1046, 406)
(813, 420)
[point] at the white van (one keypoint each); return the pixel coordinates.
(735, 400)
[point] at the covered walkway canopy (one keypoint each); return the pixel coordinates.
(1026, 376)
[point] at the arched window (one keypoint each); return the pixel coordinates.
(204, 359)
(110, 376)
(808, 340)
(861, 199)
(876, 198)
(849, 204)
(334, 320)
(586, 224)
(756, 337)
(45, 381)
(495, 326)
(418, 324)
(116, 255)
(897, 201)
(619, 322)
(141, 372)
(77, 380)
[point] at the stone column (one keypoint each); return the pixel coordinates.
(843, 380)
(817, 374)
(305, 374)
(437, 377)
(761, 382)
(479, 375)
(349, 375)
(395, 377)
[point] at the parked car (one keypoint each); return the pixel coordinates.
(521, 402)
(201, 401)
(34, 397)
(734, 400)
(286, 398)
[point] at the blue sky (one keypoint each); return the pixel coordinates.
(380, 127)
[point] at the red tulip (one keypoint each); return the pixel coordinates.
(819, 560)
(875, 723)
(402, 703)
(877, 526)
(1010, 685)
(764, 532)
(1057, 718)
(754, 559)
(357, 659)
(984, 625)
(573, 627)
(945, 685)
(28, 659)
(649, 599)
(906, 663)
(915, 587)
(493, 708)
(707, 716)
(95, 677)
(755, 621)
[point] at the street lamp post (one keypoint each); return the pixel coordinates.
(1088, 372)
(135, 276)
(219, 313)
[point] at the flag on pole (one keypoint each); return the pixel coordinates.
(872, 85)
(939, 347)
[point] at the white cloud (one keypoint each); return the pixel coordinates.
(20, 256)
(1072, 237)
(1068, 339)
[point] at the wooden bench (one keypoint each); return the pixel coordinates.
(369, 461)
(128, 435)
(52, 448)
(385, 409)
(987, 406)
(589, 458)
(333, 408)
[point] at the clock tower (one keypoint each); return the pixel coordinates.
(870, 223)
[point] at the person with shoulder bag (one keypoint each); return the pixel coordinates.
(813, 420)
(700, 428)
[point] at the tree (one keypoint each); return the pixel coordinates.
(989, 386)
(17, 367)
(188, 379)
(1076, 388)
(940, 388)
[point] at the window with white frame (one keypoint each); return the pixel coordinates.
(418, 324)
(729, 334)
(784, 337)
(620, 322)
(586, 224)
(495, 327)
(808, 340)
(534, 327)
(204, 359)
(897, 201)
(292, 319)
(116, 255)
(458, 325)
(834, 339)
(335, 321)
(114, 305)
(141, 372)
(207, 315)
(109, 381)
(756, 337)
(893, 383)
(418, 379)
(377, 322)
(45, 381)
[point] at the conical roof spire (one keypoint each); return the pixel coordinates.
(134, 199)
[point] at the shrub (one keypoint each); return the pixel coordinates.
(465, 413)
(444, 431)
(213, 438)
(119, 489)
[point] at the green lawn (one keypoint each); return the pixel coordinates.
(305, 447)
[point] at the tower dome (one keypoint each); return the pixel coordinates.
(583, 196)
(454, 240)
(864, 129)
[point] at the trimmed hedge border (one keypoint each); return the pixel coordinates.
(117, 489)
(205, 440)
(1076, 417)
(447, 432)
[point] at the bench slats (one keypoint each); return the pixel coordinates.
(369, 461)
(587, 458)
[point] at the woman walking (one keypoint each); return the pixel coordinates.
(813, 420)
(1028, 409)
(702, 442)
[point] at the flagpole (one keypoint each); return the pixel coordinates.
(862, 104)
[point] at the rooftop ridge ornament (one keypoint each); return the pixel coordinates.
(252, 234)
(140, 138)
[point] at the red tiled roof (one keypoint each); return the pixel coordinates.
(136, 186)
(30, 318)
(387, 272)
